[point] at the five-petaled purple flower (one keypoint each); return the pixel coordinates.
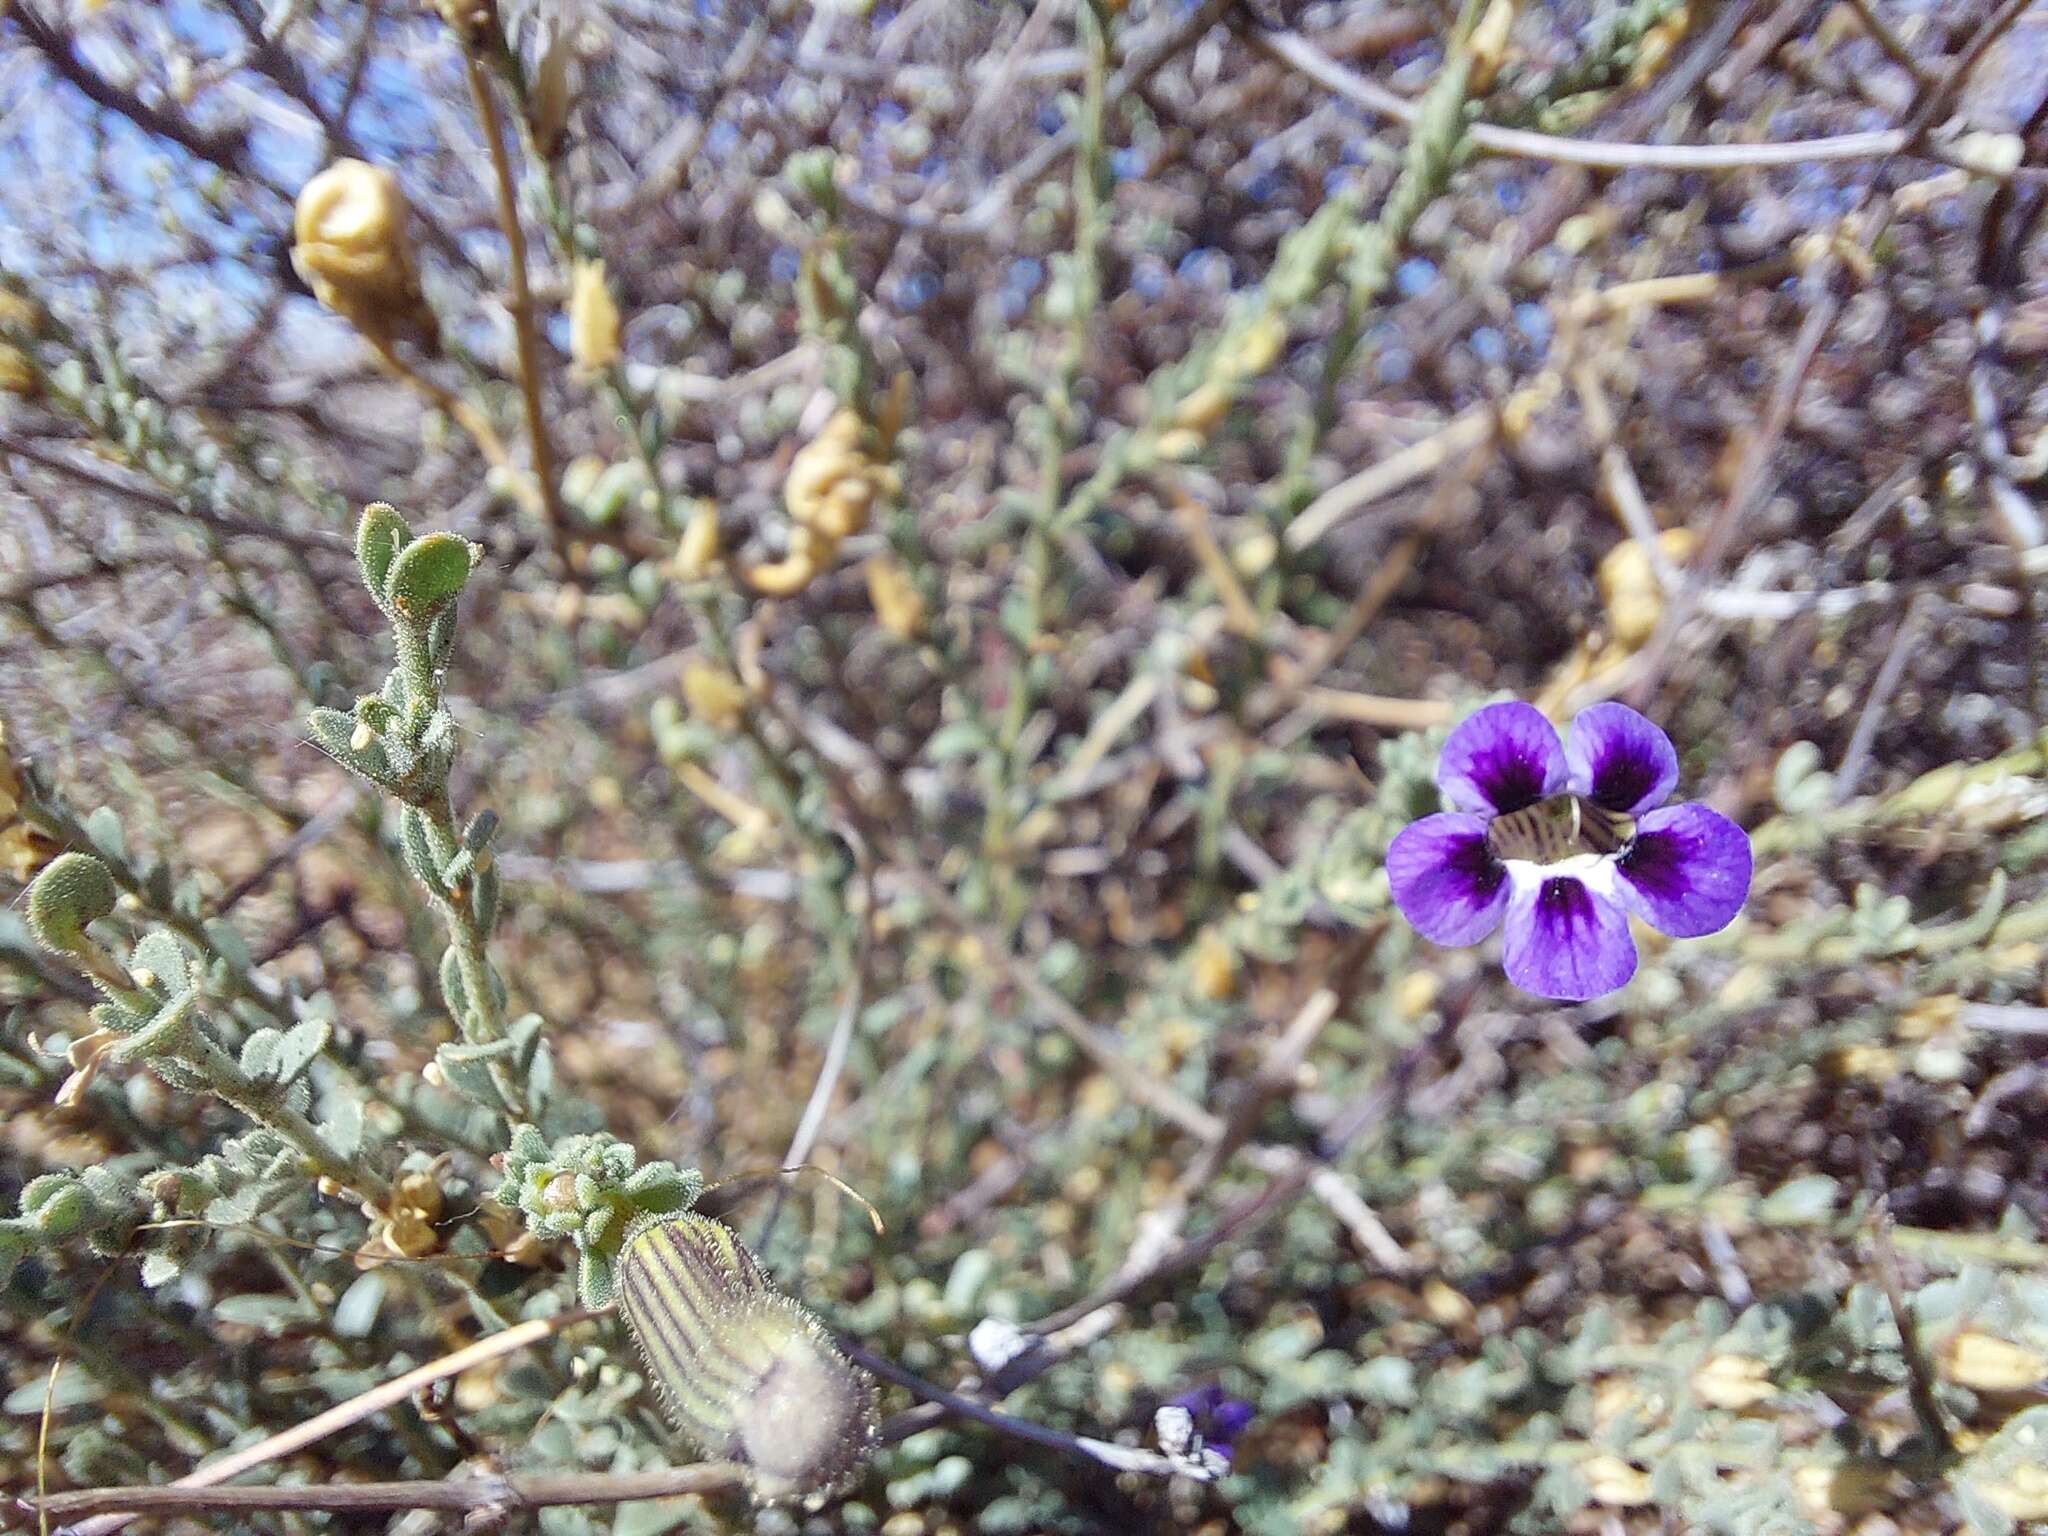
(1564, 841)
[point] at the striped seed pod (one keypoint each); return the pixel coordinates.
(743, 1371)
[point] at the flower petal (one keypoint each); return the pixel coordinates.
(1500, 759)
(1619, 760)
(1445, 881)
(1687, 872)
(1565, 942)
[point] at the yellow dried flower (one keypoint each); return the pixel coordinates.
(1488, 47)
(470, 20)
(1732, 1381)
(898, 604)
(809, 553)
(830, 481)
(1215, 967)
(549, 98)
(349, 243)
(713, 694)
(1415, 993)
(697, 550)
(17, 372)
(1201, 411)
(1845, 1488)
(593, 319)
(1635, 602)
(1983, 1362)
(419, 1192)
(2021, 1490)
(1615, 1482)
(1253, 352)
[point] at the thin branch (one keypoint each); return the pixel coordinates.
(1296, 51)
(520, 303)
(505, 1494)
(321, 1425)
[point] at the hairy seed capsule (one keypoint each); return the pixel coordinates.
(743, 1371)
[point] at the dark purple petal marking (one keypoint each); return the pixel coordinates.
(1687, 872)
(1445, 881)
(1564, 942)
(1619, 760)
(1501, 759)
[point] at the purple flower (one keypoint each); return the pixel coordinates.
(1564, 842)
(1218, 1420)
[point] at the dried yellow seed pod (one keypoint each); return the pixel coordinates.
(349, 243)
(809, 553)
(1732, 1381)
(1615, 1482)
(820, 467)
(898, 604)
(1845, 1488)
(1488, 47)
(697, 550)
(1201, 411)
(1635, 602)
(17, 371)
(1983, 1362)
(713, 694)
(1254, 351)
(593, 319)
(1215, 967)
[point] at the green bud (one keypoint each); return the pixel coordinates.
(428, 575)
(13, 1248)
(74, 890)
(379, 537)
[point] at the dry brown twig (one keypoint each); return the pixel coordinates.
(299, 1436)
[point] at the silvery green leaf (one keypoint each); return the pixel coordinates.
(1800, 1202)
(228, 944)
(355, 1314)
(272, 1315)
(103, 826)
(160, 1268)
(343, 1123)
(298, 1048)
(259, 1053)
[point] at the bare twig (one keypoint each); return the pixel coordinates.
(321, 1425)
(505, 1494)
(520, 303)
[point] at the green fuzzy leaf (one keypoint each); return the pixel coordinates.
(164, 955)
(296, 1050)
(416, 841)
(103, 826)
(74, 890)
(259, 1053)
(343, 1123)
(379, 536)
(228, 944)
(428, 575)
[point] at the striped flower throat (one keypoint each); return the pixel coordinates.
(1557, 830)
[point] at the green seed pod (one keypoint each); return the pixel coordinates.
(379, 537)
(427, 575)
(744, 1372)
(73, 890)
